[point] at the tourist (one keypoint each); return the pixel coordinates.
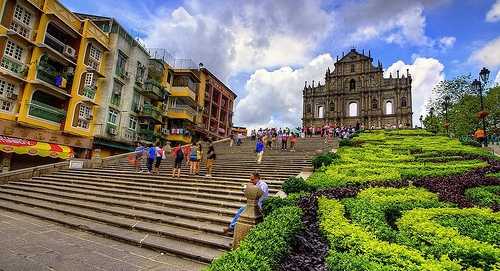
(210, 159)
(151, 157)
(255, 180)
(284, 142)
(231, 140)
(160, 155)
(178, 154)
(274, 138)
(259, 149)
(193, 157)
(139, 154)
(239, 139)
(199, 158)
(293, 141)
(187, 152)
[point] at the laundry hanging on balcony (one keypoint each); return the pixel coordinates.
(33, 147)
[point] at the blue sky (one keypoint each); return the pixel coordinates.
(265, 49)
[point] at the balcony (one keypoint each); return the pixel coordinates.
(185, 92)
(16, 67)
(181, 112)
(21, 29)
(152, 89)
(53, 76)
(60, 46)
(112, 129)
(45, 111)
(122, 74)
(179, 138)
(152, 112)
(148, 135)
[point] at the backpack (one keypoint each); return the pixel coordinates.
(179, 155)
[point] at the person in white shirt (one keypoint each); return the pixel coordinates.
(255, 180)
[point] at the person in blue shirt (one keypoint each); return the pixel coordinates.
(259, 149)
(151, 157)
(139, 154)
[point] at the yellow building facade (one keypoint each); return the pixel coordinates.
(50, 75)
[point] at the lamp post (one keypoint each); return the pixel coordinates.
(445, 104)
(477, 85)
(431, 124)
(421, 121)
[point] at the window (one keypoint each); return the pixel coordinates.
(321, 112)
(352, 68)
(6, 87)
(353, 109)
(117, 92)
(121, 64)
(13, 50)
(132, 123)
(352, 84)
(136, 101)
(89, 79)
(332, 106)
(94, 57)
(5, 105)
(21, 22)
(374, 104)
(388, 108)
(84, 112)
(112, 117)
(403, 101)
(139, 76)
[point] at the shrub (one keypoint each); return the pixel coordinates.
(274, 203)
(324, 159)
(420, 229)
(353, 248)
(295, 185)
(486, 196)
(265, 245)
(377, 209)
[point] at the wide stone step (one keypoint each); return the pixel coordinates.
(143, 239)
(203, 215)
(84, 188)
(220, 209)
(147, 216)
(95, 185)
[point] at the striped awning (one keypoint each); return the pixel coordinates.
(33, 147)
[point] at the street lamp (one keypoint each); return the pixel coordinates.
(431, 122)
(484, 75)
(445, 104)
(421, 121)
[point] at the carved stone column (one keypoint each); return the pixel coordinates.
(250, 217)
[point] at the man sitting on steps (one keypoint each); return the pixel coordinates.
(255, 180)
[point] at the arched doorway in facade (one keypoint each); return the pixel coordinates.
(388, 108)
(353, 109)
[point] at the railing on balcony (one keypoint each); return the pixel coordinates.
(148, 110)
(45, 111)
(54, 43)
(152, 89)
(14, 66)
(122, 74)
(183, 109)
(148, 134)
(89, 92)
(20, 29)
(49, 74)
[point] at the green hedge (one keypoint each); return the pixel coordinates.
(420, 229)
(265, 245)
(273, 203)
(486, 196)
(351, 247)
(377, 209)
(324, 159)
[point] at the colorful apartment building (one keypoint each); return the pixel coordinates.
(217, 101)
(51, 75)
(134, 95)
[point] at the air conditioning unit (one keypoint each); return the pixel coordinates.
(113, 131)
(69, 51)
(69, 70)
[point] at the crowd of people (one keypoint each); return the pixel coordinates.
(192, 154)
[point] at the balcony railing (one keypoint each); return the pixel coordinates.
(152, 89)
(49, 74)
(182, 111)
(54, 43)
(21, 29)
(148, 134)
(45, 111)
(150, 111)
(16, 67)
(89, 92)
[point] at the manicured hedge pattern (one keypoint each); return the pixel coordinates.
(486, 196)
(265, 245)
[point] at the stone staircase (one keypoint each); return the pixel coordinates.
(183, 216)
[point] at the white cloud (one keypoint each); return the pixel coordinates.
(426, 73)
(243, 35)
(274, 98)
(447, 42)
(493, 14)
(489, 54)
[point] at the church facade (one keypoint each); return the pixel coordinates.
(356, 93)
